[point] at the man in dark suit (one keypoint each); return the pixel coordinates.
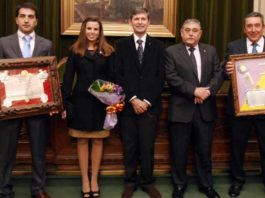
(240, 127)
(140, 71)
(194, 77)
(16, 46)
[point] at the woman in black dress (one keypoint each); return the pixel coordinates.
(88, 60)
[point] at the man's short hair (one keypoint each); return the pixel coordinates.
(255, 14)
(191, 20)
(139, 10)
(28, 5)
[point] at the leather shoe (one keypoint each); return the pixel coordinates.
(178, 192)
(128, 192)
(152, 192)
(234, 190)
(41, 195)
(210, 192)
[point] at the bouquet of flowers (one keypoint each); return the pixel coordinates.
(111, 95)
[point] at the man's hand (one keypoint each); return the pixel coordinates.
(198, 100)
(202, 92)
(229, 67)
(139, 106)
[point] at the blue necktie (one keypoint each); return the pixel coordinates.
(254, 49)
(26, 52)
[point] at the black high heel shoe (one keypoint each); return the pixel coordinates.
(86, 194)
(95, 194)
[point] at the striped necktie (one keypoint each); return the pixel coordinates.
(254, 49)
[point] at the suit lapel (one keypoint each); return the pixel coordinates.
(264, 45)
(133, 52)
(184, 53)
(242, 47)
(37, 47)
(147, 48)
(14, 43)
(203, 53)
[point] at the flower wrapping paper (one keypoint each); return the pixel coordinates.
(112, 95)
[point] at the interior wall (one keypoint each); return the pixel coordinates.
(221, 21)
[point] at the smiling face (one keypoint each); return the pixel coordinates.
(92, 31)
(254, 28)
(191, 33)
(139, 23)
(26, 20)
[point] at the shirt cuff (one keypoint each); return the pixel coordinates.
(148, 102)
(132, 98)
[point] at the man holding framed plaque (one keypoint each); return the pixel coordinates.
(240, 127)
(25, 43)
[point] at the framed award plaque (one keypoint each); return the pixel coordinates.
(248, 81)
(29, 86)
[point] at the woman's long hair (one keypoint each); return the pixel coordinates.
(80, 46)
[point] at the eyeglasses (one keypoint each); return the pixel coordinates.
(194, 30)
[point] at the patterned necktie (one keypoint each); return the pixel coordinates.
(193, 59)
(26, 52)
(140, 50)
(254, 49)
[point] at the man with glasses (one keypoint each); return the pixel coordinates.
(194, 77)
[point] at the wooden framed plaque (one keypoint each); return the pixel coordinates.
(248, 81)
(29, 86)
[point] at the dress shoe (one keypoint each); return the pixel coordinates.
(178, 192)
(210, 192)
(152, 192)
(234, 190)
(95, 194)
(85, 194)
(128, 192)
(41, 195)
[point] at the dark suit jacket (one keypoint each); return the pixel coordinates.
(144, 81)
(236, 47)
(9, 47)
(84, 111)
(183, 80)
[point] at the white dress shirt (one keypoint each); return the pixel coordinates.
(136, 38)
(197, 55)
(259, 47)
(22, 42)
(143, 38)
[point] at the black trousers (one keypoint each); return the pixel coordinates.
(138, 137)
(240, 128)
(9, 132)
(181, 135)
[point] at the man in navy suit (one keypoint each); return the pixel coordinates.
(194, 77)
(12, 46)
(140, 71)
(240, 127)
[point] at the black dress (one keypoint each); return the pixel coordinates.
(84, 111)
